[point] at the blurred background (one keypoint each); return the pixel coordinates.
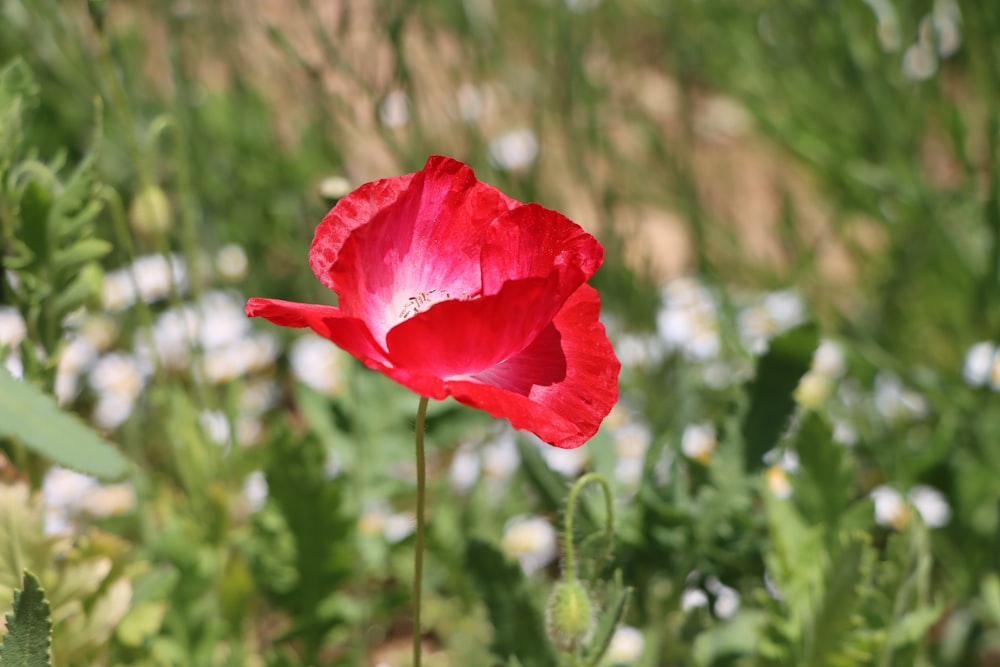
(800, 203)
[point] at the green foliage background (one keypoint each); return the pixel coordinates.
(847, 151)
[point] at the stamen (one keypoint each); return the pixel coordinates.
(415, 304)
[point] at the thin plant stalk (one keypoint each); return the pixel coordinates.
(418, 546)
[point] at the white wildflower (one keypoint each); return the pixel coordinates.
(398, 526)
(513, 150)
(464, 470)
(698, 442)
(76, 358)
(894, 401)
(530, 540)
(156, 275)
(12, 327)
(112, 410)
(774, 313)
(334, 187)
(829, 359)
(117, 374)
(638, 351)
(979, 364)
(567, 462)
(222, 320)
(231, 262)
(626, 646)
(688, 321)
(215, 426)
(117, 291)
(394, 111)
(931, 504)
(891, 509)
(255, 490)
(318, 364)
(108, 500)
(693, 598)
(500, 457)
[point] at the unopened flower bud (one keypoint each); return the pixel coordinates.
(149, 213)
(570, 615)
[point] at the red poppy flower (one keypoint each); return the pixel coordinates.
(450, 287)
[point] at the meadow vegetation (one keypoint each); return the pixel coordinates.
(800, 206)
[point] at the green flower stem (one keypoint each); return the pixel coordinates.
(418, 546)
(609, 527)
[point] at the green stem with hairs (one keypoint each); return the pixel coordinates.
(418, 546)
(609, 526)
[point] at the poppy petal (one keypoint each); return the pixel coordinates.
(425, 241)
(532, 240)
(329, 322)
(352, 211)
(561, 386)
(465, 337)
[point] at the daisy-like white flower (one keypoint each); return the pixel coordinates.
(626, 646)
(688, 320)
(698, 442)
(978, 368)
(931, 504)
(513, 150)
(12, 327)
(231, 262)
(317, 364)
(394, 111)
(531, 541)
(891, 508)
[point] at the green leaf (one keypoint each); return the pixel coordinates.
(771, 403)
(141, 623)
(738, 636)
(825, 487)
(34, 419)
(28, 640)
(17, 82)
(36, 201)
(81, 252)
(517, 623)
(842, 587)
(84, 285)
(312, 508)
(18, 93)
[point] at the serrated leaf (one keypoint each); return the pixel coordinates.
(77, 202)
(825, 486)
(517, 623)
(842, 589)
(34, 419)
(36, 201)
(81, 252)
(86, 284)
(28, 640)
(17, 82)
(313, 511)
(771, 402)
(18, 93)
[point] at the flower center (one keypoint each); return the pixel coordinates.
(422, 301)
